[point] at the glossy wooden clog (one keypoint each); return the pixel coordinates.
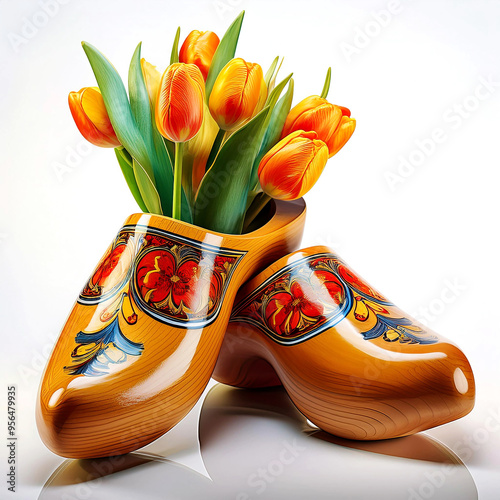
(351, 361)
(142, 340)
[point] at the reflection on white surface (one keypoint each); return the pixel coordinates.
(255, 444)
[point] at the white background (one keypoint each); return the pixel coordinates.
(431, 236)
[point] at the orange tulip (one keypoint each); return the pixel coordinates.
(292, 167)
(317, 114)
(342, 134)
(179, 105)
(91, 117)
(199, 48)
(238, 94)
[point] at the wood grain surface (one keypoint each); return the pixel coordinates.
(352, 362)
(128, 364)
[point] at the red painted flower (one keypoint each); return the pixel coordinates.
(287, 311)
(221, 271)
(107, 266)
(160, 279)
(331, 285)
(358, 283)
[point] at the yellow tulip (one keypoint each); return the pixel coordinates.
(292, 167)
(91, 118)
(317, 114)
(238, 94)
(180, 102)
(199, 48)
(152, 78)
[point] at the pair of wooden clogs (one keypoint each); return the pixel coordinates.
(165, 310)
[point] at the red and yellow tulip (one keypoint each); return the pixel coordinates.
(90, 115)
(180, 102)
(317, 114)
(342, 134)
(202, 153)
(238, 94)
(292, 167)
(199, 48)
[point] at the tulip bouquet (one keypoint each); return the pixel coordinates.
(213, 139)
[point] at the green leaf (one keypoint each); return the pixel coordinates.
(147, 189)
(215, 147)
(139, 103)
(164, 176)
(221, 201)
(117, 105)
(125, 162)
(224, 53)
(273, 131)
(272, 83)
(174, 56)
(270, 71)
(326, 86)
(276, 92)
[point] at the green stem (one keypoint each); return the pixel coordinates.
(176, 207)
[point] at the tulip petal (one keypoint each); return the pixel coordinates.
(342, 134)
(199, 48)
(315, 113)
(314, 169)
(293, 166)
(152, 79)
(179, 108)
(94, 108)
(90, 115)
(238, 94)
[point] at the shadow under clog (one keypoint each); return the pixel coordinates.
(255, 444)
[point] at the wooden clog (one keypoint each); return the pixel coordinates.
(351, 361)
(142, 340)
